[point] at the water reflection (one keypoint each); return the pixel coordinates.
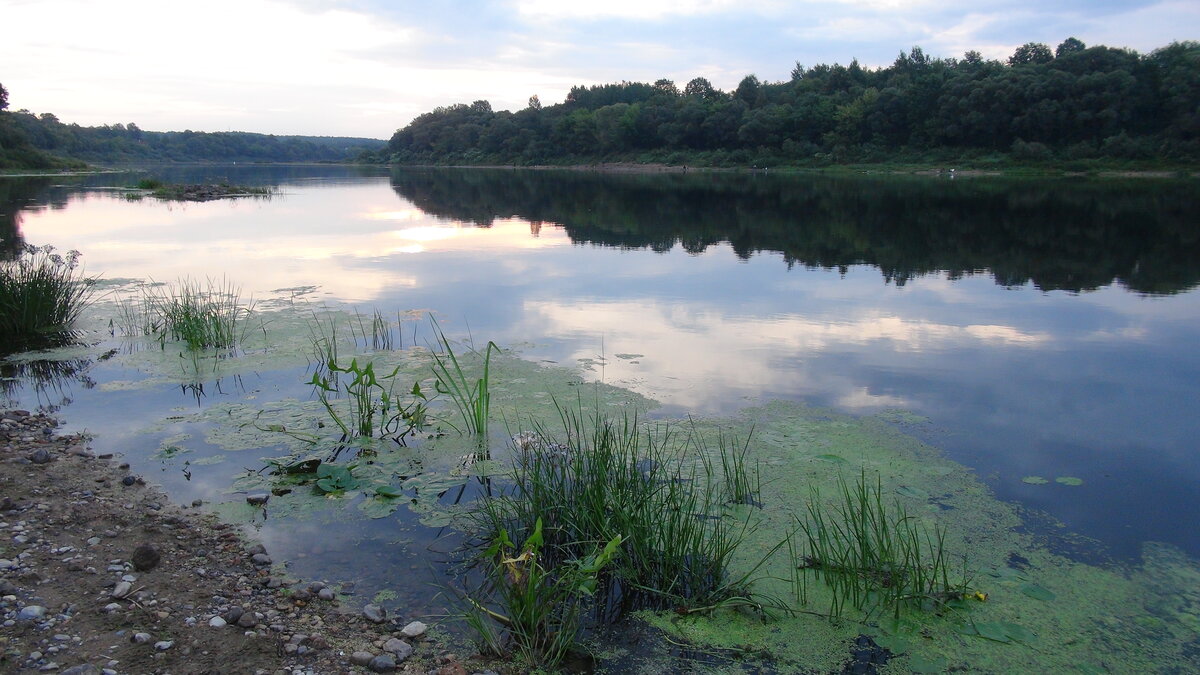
(1004, 314)
(1055, 234)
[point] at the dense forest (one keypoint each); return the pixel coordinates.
(1074, 103)
(32, 141)
(1056, 234)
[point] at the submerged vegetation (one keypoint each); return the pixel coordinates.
(42, 294)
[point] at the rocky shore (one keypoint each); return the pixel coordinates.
(101, 573)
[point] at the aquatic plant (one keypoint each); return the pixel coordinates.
(874, 557)
(204, 316)
(372, 407)
(613, 478)
(472, 399)
(41, 295)
(539, 607)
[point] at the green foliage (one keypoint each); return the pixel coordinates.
(472, 399)
(875, 558)
(372, 408)
(336, 478)
(41, 295)
(920, 103)
(207, 315)
(540, 607)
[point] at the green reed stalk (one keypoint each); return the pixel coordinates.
(472, 399)
(41, 296)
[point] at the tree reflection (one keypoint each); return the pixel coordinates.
(1072, 235)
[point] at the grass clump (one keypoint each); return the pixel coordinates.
(371, 409)
(613, 480)
(874, 557)
(41, 295)
(207, 315)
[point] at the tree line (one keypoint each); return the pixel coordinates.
(1071, 103)
(43, 142)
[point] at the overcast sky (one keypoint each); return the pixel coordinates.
(367, 67)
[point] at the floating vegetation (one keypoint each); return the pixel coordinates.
(1034, 480)
(1068, 480)
(42, 294)
(180, 192)
(372, 409)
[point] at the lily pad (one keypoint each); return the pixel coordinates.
(1034, 480)
(1069, 480)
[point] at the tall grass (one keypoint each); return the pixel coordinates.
(208, 315)
(472, 399)
(41, 296)
(874, 557)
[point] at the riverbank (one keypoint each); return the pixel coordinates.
(100, 573)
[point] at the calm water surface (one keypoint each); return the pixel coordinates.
(1044, 328)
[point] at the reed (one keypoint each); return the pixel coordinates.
(41, 296)
(874, 557)
(364, 405)
(472, 399)
(207, 315)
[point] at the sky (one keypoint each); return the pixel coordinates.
(367, 67)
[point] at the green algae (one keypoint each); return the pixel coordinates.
(1034, 480)
(1058, 615)
(1068, 480)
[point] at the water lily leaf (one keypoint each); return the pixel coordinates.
(1034, 480)
(1037, 592)
(377, 507)
(1069, 480)
(909, 491)
(389, 491)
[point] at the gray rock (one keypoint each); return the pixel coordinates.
(247, 620)
(414, 629)
(401, 649)
(140, 638)
(257, 499)
(164, 645)
(384, 663)
(122, 589)
(31, 613)
(128, 480)
(255, 548)
(145, 557)
(261, 559)
(375, 613)
(40, 456)
(83, 669)
(234, 614)
(361, 658)
(326, 594)
(218, 622)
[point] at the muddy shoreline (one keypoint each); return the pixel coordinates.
(101, 573)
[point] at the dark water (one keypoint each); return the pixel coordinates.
(1044, 327)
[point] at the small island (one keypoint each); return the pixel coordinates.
(201, 192)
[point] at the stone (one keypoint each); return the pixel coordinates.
(384, 663)
(326, 594)
(140, 638)
(128, 480)
(257, 499)
(414, 629)
(261, 559)
(145, 557)
(40, 456)
(247, 620)
(234, 614)
(121, 590)
(218, 622)
(361, 658)
(375, 613)
(31, 613)
(163, 645)
(401, 649)
(83, 669)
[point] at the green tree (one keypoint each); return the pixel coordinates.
(1031, 52)
(3, 97)
(1069, 46)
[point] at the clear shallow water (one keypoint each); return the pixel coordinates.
(1042, 328)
